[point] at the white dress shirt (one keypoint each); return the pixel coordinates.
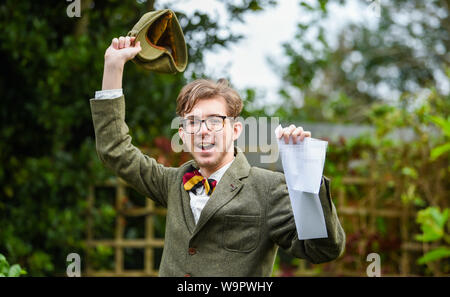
(198, 199)
(108, 94)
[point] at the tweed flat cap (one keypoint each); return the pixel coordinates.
(162, 41)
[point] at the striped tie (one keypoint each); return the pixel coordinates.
(193, 179)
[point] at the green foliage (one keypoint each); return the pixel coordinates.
(386, 72)
(434, 255)
(434, 225)
(444, 124)
(395, 159)
(102, 258)
(10, 270)
(375, 60)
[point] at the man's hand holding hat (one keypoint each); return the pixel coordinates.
(163, 48)
(120, 51)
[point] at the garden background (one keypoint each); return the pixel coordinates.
(390, 181)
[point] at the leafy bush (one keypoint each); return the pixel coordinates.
(434, 224)
(10, 270)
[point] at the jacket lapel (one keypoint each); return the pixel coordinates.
(185, 198)
(186, 205)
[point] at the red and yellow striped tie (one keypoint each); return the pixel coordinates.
(193, 179)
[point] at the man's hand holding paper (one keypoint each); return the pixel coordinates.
(303, 159)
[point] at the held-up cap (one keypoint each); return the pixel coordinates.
(162, 42)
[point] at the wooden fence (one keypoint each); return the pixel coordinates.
(359, 218)
(358, 215)
(149, 243)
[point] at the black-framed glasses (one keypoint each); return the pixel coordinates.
(213, 123)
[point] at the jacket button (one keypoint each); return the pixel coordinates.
(192, 251)
(187, 275)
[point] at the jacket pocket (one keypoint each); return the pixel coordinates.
(241, 233)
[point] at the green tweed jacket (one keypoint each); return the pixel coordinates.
(247, 217)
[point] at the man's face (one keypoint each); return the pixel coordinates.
(210, 149)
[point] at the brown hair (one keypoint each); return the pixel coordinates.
(206, 89)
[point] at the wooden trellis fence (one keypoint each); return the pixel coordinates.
(363, 215)
(149, 243)
(359, 214)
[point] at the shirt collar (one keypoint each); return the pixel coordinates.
(217, 175)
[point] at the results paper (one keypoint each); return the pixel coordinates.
(303, 167)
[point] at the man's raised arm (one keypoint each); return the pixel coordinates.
(113, 141)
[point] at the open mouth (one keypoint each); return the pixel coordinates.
(205, 146)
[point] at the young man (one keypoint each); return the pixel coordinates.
(224, 217)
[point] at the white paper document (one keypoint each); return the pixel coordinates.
(303, 167)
